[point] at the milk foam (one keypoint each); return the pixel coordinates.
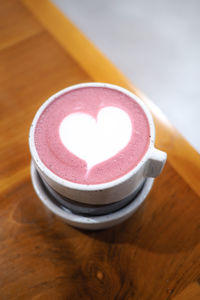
(112, 146)
(96, 140)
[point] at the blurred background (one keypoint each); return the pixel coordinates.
(156, 44)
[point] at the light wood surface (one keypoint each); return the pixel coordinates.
(156, 253)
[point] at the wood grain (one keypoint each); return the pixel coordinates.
(12, 26)
(153, 255)
(192, 292)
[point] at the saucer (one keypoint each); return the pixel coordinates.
(88, 209)
(83, 221)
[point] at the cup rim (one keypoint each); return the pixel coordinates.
(88, 187)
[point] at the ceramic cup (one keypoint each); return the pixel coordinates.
(150, 165)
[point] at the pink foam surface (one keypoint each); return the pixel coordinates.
(90, 100)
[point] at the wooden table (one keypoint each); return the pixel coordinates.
(153, 255)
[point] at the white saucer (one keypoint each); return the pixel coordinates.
(88, 222)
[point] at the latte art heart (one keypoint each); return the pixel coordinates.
(91, 135)
(96, 140)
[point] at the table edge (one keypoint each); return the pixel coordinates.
(181, 155)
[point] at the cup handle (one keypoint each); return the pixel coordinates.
(155, 163)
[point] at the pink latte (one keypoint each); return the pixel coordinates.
(92, 135)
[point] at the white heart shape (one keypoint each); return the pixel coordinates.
(96, 140)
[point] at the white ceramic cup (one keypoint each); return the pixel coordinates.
(150, 165)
